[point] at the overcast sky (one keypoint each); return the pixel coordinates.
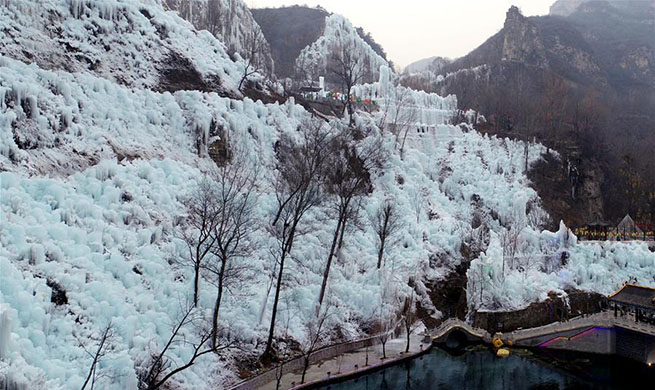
(410, 30)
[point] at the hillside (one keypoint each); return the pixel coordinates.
(107, 173)
(228, 20)
(304, 40)
(569, 7)
(124, 42)
(432, 64)
(584, 84)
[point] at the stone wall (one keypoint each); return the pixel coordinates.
(541, 313)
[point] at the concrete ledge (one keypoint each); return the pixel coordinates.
(362, 371)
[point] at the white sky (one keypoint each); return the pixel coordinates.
(410, 30)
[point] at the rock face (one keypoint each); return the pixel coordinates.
(228, 20)
(289, 30)
(521, 41)
(603, 51)
(304, 40)
(596, 43)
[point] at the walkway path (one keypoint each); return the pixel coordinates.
(352, 362)
(603, 319)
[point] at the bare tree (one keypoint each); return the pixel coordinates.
(201, 217)
(316, 332)
(409, 315)
(404, 118)
(348, 180)
(255, 45)
(386, 224)
(346, 66)
(385, 327)
(159, 371)
(235, 201)
(279, 369)
(297, 186)
(213, 16)
(104, 345)
(510, 242)
(399, 116)
(418, 202)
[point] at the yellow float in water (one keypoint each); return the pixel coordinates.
(497, 342)
(503, 352)
(509, 343)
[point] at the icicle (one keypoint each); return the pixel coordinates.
(5, 331)
(3, 94)
(33, 105)
(76, 8)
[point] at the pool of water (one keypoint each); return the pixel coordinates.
(479, 368)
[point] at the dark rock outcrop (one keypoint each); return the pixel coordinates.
(553, 309)
(521, 41)
(289, 30)
(58, 296)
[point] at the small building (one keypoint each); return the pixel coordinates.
(628, 228)
(635, 300)
(597, 230)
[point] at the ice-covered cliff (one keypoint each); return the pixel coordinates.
(322, 58)
(228, 20)
(97, 165)
(128, 42)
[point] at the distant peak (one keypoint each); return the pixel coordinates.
(514, 15)
(565, 7)
(514, 10)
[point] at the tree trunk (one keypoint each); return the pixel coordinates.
(326, 273)
(286, 248)
(343, 229)
(271, 330)
(407, 328)
(350, 112)
(402, 147)
(196, 281)
(217, 305)
(305, 367)
(384, 349)
(381, 253)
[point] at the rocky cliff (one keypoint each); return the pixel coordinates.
(304, 39)
(289, 30)
(521, 41)
(540, 76)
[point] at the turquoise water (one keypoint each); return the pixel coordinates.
(478, 368)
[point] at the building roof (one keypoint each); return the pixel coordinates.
(598, 223)
(628, 225)
(310, 89)
(634, 295)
